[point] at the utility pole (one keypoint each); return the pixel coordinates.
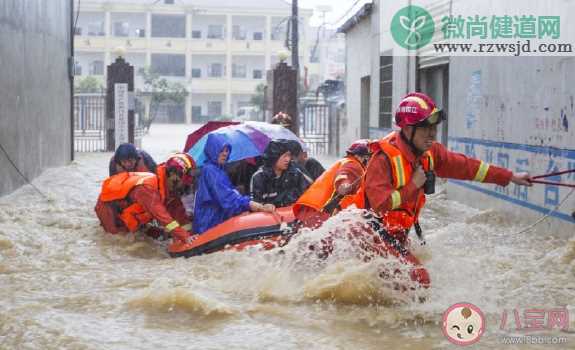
(294, 36)
(295, 62)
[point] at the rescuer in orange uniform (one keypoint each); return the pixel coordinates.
(335, 189)
(130, 200)
(404, 164)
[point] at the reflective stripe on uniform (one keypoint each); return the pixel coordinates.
(395, 200)
(187, 227)
(171, 226)
(399, 172)
(431, 163)
(481, 172)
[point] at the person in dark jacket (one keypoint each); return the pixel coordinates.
(241, 172)
(216, 198)
(309, 166)
(128, 158)
(278, 181)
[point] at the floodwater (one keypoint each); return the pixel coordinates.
(65, 284)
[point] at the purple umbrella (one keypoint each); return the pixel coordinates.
(248, 140)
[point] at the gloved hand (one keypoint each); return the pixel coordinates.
(181, 235)
(344, 189)
(154, 232)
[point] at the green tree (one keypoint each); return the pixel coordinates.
(158, 90)
(258, 99)
(88, 84)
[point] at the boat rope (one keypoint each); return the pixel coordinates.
(557, 207)
(534, 179)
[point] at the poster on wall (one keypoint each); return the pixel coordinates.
(121, 113)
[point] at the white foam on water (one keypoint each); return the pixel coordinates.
(64, 283)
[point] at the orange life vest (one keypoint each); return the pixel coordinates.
(323, 190)
(118, 187)
(403, 214)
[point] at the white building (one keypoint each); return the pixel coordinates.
(219, 49)
(512, 111)
(326, 56)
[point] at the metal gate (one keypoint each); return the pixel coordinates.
(315, 128)
(90, 122)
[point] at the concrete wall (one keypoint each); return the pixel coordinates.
(362, 54)
(35, 121)
(516, 112)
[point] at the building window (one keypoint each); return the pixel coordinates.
(238, 70)
(141, 33)
(215, 31)
(77, 68)
(196, 34)
(121, 29)
(279, 32)
(169, 65)
(196, 112)
(168, 26)
(214, 108)
(257, 74)
(238, 32)
(96, 29)
(258, 36)
(314, 55)
(196, 73)
(97, 67)
(215, 70)
(385, 89)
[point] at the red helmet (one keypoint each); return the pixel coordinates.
(359, 148)
(417, 108)
(183, 164)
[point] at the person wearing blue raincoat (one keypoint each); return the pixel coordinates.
(216, 198)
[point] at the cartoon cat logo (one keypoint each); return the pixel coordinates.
(463, 324)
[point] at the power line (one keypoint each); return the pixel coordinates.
(19, 172)
(346, 12)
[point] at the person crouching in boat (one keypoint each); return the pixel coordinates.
(130, 200)
(335, 189)
(404, 164)
(216, 198)
(278, 181)
(128, 158)
(311, 167)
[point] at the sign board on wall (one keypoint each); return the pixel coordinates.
(523, 158)
(121, 113)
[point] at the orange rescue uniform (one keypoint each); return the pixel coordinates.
(130, 200)
(390, 192)
(309, 207)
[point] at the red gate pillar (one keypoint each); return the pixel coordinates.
(119, 72)
(282, 91)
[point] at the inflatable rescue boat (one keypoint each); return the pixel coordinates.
(268, 231)
(237, 233)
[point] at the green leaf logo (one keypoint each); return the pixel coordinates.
(412, 27)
